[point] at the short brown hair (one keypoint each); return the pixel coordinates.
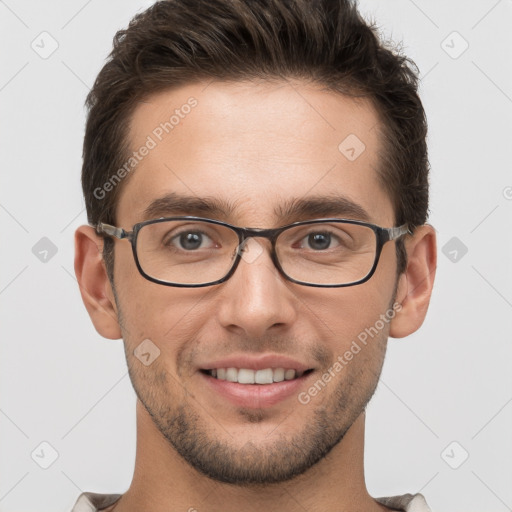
(326, 42)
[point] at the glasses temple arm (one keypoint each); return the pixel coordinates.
(397, 232)
(111, 230)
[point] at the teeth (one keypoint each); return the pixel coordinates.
(278, 375)
(247, 376)
(232, 374)
(261, 376)
(289, 374)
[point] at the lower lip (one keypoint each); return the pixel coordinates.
(256, 396)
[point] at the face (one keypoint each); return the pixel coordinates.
(254, 148)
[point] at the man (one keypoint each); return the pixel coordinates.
(254, 352)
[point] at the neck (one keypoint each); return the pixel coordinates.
(163, 481)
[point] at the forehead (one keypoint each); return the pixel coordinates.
(254, 147)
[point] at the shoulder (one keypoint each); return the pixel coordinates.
(95, 502)
(406, 503)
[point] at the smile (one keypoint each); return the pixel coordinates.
(248, 376)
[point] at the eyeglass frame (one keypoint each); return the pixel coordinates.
(383, 235)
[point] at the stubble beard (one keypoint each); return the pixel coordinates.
(279, 457)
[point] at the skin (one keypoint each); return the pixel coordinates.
(255, 144)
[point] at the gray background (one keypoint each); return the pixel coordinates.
(445, 393)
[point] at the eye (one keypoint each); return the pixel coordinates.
(190, 241)
(319, 241)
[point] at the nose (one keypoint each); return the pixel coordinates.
(257, 298)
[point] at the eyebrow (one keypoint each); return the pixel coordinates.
(176, 204)
(289, 211)
(320, 206)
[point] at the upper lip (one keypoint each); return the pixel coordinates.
(257, 362)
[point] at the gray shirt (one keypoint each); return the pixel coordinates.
(94, 502)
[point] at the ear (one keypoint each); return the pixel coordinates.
(94, 284)
(415, 284)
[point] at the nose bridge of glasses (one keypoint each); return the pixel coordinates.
(268, 233)
(258, 246)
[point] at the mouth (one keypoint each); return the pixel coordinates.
(254, 389)
(255, 381)
(263, 376)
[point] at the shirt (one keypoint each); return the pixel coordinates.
(94, 502)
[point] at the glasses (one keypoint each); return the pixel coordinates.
(193, 251)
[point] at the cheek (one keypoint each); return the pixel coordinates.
(347, 312)
(352, 318)
(164, 315)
